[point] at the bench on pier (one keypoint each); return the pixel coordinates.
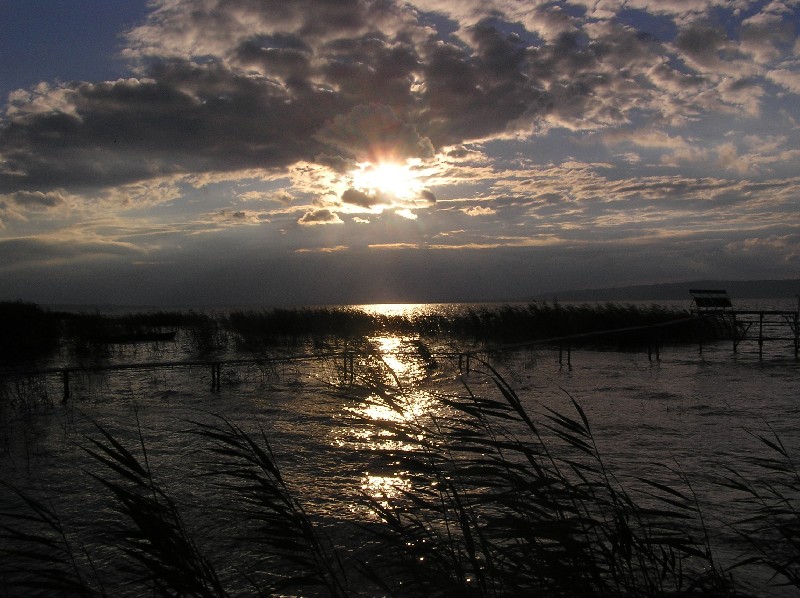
(710, 300)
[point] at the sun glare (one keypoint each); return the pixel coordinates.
(389, 178)
(394, 309)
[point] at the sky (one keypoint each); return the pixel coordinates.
(291, 152)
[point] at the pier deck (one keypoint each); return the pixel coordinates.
(756, 325)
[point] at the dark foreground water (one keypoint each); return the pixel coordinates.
(686, 414)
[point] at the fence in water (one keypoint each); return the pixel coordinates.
(760, 326)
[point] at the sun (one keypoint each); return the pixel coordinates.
(400, 180)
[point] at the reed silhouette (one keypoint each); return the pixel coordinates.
(496, 501)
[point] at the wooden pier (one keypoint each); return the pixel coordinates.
(747, 325)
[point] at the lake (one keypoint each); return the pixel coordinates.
(344, 434)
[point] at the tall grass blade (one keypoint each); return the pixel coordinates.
(37, 555)
(153, 533)
(246, 467)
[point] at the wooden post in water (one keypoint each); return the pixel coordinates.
(216, 374)
(65, 375)
(652, 343)
(701, 329)
(561, 356)
(761, 335)
(349, 368)
(658, 351)
(651, 346)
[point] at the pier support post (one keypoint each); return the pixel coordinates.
(349, 367)
(561, 356)
(701, 330)
(65, 375)
(655, 342)
(216, 374)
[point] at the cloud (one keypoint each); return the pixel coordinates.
(785, 248)
(335, 249)
(394, 246)
(221, 89)
(374, 133)
(478, 211)
(427, 196)
(36, 200)
(23, 252)
(789, 79)
(406, 213)
(583, 124)
(237, 217)
(186, 118)
(362, 199)
(282, 197)
(322, 216)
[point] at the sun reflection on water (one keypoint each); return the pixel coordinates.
(388, 348)
(392, 417)
(394, 309)
(385, 487)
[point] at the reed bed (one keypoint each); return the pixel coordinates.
(492, 499)
(29, 333)
(495, 324)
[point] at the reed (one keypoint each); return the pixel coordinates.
(27, 332)
(772, 533)
(257, 329)
(487, 324)
(152, 533)
(296, 553)
(37, 554)
(496, 501)
(505, 505)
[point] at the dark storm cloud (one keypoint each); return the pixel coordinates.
(226, 86)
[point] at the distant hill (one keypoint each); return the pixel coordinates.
(676, 291)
